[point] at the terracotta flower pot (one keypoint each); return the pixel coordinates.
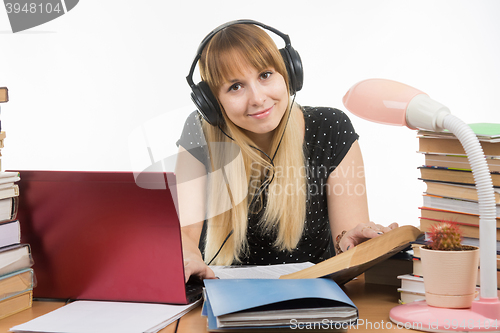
(450, 277)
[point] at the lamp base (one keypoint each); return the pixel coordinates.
(420, 316)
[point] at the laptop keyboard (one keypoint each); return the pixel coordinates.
(194, 290)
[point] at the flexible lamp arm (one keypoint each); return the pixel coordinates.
(487, 205)
(394, 103)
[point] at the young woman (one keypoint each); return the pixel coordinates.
(262, 180)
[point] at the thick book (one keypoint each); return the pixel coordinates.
(467, 230)
(349, 264)
(453, 176)
(16, 283)
(9, 191)
(458, 191)
(453, 147)
(460, 162)
(8, 208)
(454, 205)
(447, 215)
(15, 304)
(14, 258)
(10, 233)
(412, 283)
(267, 303)
(9, 176)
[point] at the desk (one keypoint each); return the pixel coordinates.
(373, 301)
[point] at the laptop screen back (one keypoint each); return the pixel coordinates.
(99, 236)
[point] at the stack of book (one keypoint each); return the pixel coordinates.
(412, 285)
(450, 193)
(16, 275)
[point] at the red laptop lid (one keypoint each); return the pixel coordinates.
(100, 236)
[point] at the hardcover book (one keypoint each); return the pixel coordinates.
(14, 258)
(458, 191)
(453, 176)
(467, 230)
(454, 205)
(16, 283)
(8, 208)
(15, 304)
(453, 146)
(10, 233)
(349, 264)
(446, 215)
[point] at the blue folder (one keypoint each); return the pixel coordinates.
(228, 296)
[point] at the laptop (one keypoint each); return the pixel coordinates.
(104, 236)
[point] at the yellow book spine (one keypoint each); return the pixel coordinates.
(15, 304)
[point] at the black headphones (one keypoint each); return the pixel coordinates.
(202, 96)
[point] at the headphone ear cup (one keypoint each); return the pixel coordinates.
(207, 104)
(294, 68)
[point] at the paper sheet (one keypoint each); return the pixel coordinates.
(106, 317)
(258, 272)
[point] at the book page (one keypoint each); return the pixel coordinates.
(258, 272)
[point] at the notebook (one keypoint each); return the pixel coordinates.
(103, 236)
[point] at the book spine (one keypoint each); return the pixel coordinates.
(15, 304)
(16, 283)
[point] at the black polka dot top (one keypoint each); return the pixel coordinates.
(329, 135)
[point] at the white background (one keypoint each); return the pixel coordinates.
(85, 87)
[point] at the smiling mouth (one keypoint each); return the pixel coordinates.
(261, 114)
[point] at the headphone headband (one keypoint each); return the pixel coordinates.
(202, 96)
(227, 24)
(208, 37)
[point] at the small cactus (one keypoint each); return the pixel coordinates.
(445, 236)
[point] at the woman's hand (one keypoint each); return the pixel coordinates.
(196, 267)
(363, 232)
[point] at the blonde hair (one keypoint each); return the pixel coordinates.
(285, 207)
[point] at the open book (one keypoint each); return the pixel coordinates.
(346, 266)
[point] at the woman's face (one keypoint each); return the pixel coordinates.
(255, 100)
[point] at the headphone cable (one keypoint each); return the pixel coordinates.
(220, 248)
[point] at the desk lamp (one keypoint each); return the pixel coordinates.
(394, 103)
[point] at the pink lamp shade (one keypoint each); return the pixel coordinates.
(395, 103)
(380, 100)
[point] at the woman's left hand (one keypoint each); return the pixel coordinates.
(363, 232)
